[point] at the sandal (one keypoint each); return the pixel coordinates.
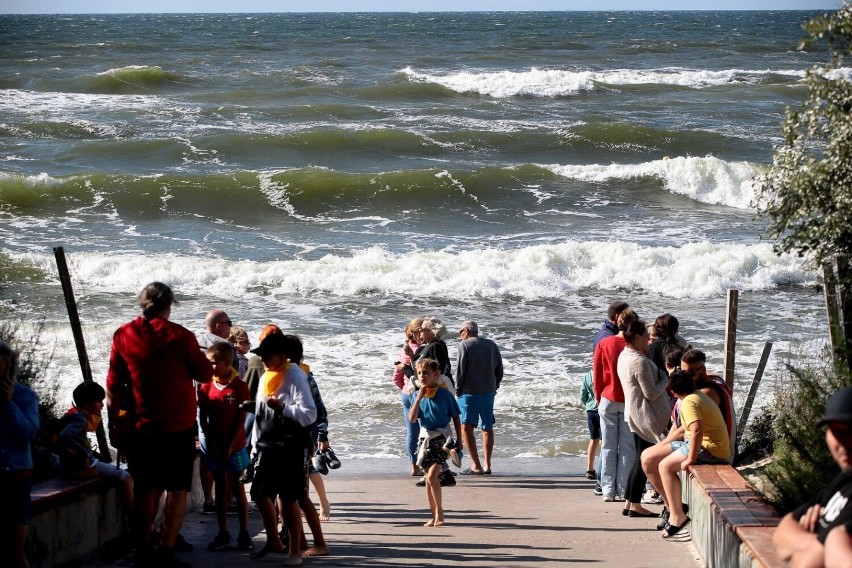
(470, 471)
(672, 530)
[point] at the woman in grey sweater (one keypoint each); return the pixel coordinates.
(647, 407)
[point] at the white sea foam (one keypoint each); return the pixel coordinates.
(697, 270)
(708, 179)
(53, 103)
(557, 82)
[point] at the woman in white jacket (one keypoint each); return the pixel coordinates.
(647, 407)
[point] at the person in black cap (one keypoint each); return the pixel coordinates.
(800, 536)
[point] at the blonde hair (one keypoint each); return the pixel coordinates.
(238, 333)
(413, 327)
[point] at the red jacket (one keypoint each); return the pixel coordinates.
(160, 360)
(605, 369)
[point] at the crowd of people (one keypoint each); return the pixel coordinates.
(656, 410)
(258, 417)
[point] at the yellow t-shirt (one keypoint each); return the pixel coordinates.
(699, 406)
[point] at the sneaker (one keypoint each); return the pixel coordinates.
(421, 482)
(209, 508)
(244, 541)
(232, 508)
(221, 542)
(331, 459)
(181, 545)
(651, 497)
(598, 489)
(447, 479)
(609, 499)
(319, 463)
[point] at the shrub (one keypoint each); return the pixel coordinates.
(802, 464)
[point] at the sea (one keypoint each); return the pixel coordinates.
(340, 174)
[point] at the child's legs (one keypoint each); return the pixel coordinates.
(266, 508)
(319, 486)
(239, 492)
(669, 472)
(651, 459)
(220, 478)
(293, 521)
(593, 420)
(433, 490)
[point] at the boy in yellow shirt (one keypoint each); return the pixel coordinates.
(702, 420)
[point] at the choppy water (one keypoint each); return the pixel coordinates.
(340, 174)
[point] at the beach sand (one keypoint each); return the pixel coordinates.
(530, 512)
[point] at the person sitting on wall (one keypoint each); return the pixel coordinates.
(801, 535)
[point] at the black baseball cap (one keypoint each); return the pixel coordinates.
(839, 407)
(272, 344)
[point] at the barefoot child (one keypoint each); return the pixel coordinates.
(285, 411)
(226, 457)
(435, 407)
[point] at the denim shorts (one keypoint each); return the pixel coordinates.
(704, 457)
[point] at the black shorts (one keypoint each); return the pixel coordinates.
(162, 460)
(281, 472)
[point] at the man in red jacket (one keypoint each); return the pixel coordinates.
(150, 390)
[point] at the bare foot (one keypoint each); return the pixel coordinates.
(439, 523)
(324, 513)
(267, 548)
(317, 550)
(293, 561)
(429, 523)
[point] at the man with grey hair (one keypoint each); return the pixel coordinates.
(478, 376)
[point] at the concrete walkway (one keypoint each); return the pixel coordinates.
(528, 513)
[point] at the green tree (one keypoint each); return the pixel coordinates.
(806, 196)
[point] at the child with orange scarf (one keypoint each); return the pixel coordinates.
(284, 411)
(435, 406)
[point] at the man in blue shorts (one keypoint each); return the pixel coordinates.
(480, 370)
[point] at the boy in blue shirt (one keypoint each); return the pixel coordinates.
(434, 406)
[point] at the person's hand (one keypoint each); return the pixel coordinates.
(685, 464)
(408, 351)
(809, 520)
(274, 403)
(323, 446)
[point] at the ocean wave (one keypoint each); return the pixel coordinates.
(556, 83)
(708, 179)
(315, 193)
(133, 79)
(696, 270)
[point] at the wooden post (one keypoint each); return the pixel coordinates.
(79, 342)
(844, 303)
(731, 336)
(829, 283)
(755, 382)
